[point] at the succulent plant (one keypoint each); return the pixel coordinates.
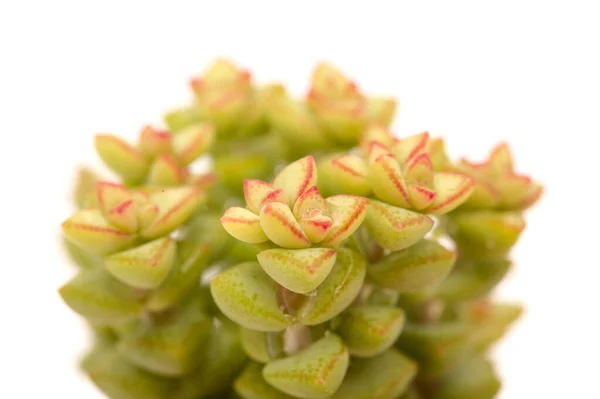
(310, 262)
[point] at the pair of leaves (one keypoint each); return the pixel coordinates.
(247, 295)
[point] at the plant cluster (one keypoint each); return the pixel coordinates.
(319, 257)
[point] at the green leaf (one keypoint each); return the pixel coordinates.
(100, 298)
(475, 379)
(247, 295)
(338, 290)
(381, 377)
(146, 266)
(418, 268)
(472, 279)
(261, 346)
(300, 270)
(314, 372)
(396, 228)
(172, 347)
(370, 330)
(251, 385)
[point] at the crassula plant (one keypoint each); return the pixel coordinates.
(321, 256)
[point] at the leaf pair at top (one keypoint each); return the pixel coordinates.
(160, 158)
(498, 185)
(335, 111)
(400, 173)
(225, 96)
(291, 213)
(123, 216)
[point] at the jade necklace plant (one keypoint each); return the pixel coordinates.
(320, 257)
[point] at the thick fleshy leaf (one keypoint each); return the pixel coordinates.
(247, 295)
(110, 195)
(121, 157)
(146, 215)
(171, 348)
(316, 227)
(280, 225)
(452, 190)
(418, 268)
(381, 110)
(80, 256)
(100, 298)
(381, 377)
(119, 379)
(474, 379)
(396, 228)
(351, 174)
(484, 195)
(193, 141)
(165, 172)
(410, 147)
(259, 193)
(154, 142)
(500, 160)
(419, 170)
(348, 212)
(85, 188)
(175, 206)
(300, 270)
(261, 346)
(124, 216)
(219, 364)
(313, 373)
(388, 182)
(192, 258)
(311, 200)
(472, 279)
(513, 189)
(89, 229)
(375, 149)
(179, 119)
(376, 133)
(338, 291)
(420, 197)
(243, 225)
(370, 330)
(297, 177)
(251, 385)
(486, 232)
(492, 324)
(436, 149)
(145, 266)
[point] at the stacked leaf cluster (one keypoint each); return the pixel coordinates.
(319, 257)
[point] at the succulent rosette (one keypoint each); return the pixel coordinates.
(326, 278)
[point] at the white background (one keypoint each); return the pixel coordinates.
(474, 72)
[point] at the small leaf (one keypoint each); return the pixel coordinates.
(110, 195)
(513, 189)
(296, 178)
(315, 372)
(500, 160)
(100, 298)
(310, 200)
(381, 377)
(316, 227)
(259, 193)
(348, 212)
(486, 232)
(85, 188)
(251, 385)
(436, 148)
(280, 225)
(165, 172)
(338, 291)
(407, 149)
(370, 330)
(396, 228)
(88, 229)
(472, 280)
(418, 268)
(474, 379)
(381, 110)
(247, 295)
(170, 348)
(192, 141)
(388, 182)
(351, 174)
(121, 157)
(153, 142)
(175, 206)
(420, 197)
(301, 270)
(178, 119)
(484, 195)
(243, 225)
(452, 190)
(145, 266)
